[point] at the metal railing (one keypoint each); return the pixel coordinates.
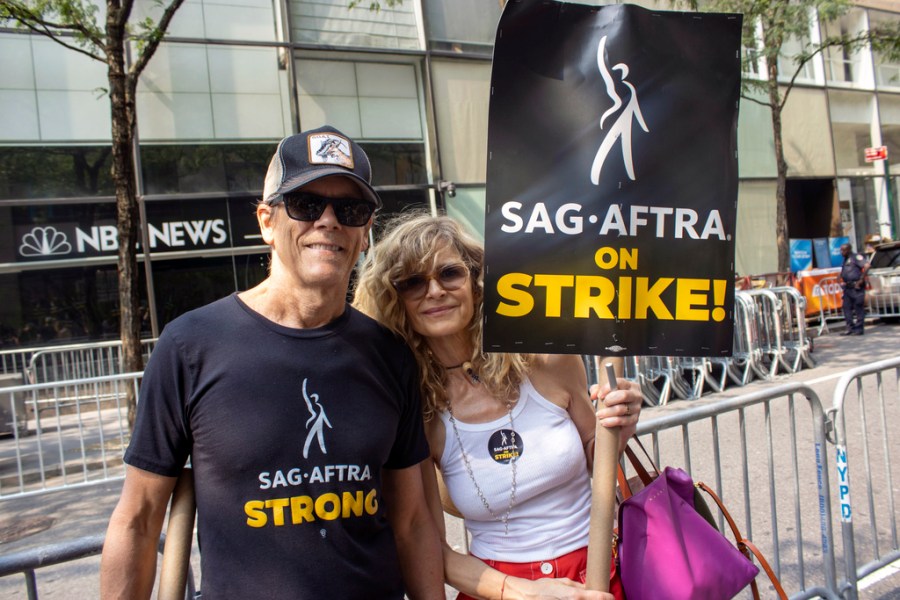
(865, 443)
(765, 453)
(27, 562)
(76, 433)
(882, 299)
(770, 339)
(79, 361)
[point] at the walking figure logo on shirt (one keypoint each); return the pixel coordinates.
(316, 422)
(621, 127)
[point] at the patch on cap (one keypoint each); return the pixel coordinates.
(330, 149)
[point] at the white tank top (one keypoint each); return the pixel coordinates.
(553, 492)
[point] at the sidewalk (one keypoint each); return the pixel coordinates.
(65, 515)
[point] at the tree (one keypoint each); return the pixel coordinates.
(75, 24)
(767, 26)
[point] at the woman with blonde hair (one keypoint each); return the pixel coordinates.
(511, 435)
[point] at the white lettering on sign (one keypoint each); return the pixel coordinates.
(662, 221)
(101, 238)
(843, 484)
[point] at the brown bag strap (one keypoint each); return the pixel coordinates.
(745, 546)
(636, 463)
(624, 488)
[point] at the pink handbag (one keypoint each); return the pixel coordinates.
(667, 550)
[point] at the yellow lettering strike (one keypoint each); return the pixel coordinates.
(521, 299)
(691, 293)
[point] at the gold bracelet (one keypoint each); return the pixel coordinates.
(503, 586)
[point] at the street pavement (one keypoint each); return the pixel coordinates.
(39, 520)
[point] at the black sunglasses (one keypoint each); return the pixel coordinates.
(450, 277)
(306, 206)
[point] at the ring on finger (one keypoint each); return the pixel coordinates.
(627, 410)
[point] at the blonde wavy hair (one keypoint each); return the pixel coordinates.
(409, 245)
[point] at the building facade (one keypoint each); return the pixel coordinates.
(410, 82)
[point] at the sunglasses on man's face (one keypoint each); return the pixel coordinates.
(306, 206)
(449, 277)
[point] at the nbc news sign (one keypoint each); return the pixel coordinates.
(171, 227)
(71, 241)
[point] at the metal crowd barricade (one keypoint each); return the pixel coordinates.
(770, 337)
(883, 296)
(746, 351)
(81, 441)
(768, 324)
(830, 295)
(794, 338)
(865, 410)
(79, 361)
(29, 561)
(765, 454)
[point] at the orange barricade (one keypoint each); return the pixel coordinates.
(824, 297)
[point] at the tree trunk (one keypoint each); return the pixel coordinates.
(121, 92)
(781, 229)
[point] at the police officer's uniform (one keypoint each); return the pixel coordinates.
(852, 272)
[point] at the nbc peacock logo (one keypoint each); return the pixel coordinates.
(45, 241)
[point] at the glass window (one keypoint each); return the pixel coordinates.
(467, 207)
(887, 72)
(55, 172)
(865, 209)
(188, 283)
(755, 252)
(364, 100)
(461, 96)
(333, 23)
(193, 168)
(215, 92)
(63, 305)
(396, 201)
(756, 145)
(841, 66)
(787, 66)
(397, 164)
(252, 20)
(807, 142)
(462, 25)
(852, 116)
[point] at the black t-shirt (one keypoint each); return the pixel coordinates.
(288, 431)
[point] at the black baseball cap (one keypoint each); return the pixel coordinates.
(305, 157)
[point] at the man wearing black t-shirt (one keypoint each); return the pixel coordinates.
(300, 415)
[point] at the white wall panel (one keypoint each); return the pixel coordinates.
(16, 69)
(174, 116)
(340, 112)
(249, 116)
(176, 68)
(243, 70)
(19, 116)
(74, 116)
(326, 78)
(58, 68)
(390, 118)
(386, 81)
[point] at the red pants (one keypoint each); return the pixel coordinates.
(572, 565)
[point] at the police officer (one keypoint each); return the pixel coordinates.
(853, 273)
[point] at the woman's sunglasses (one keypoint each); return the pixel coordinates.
(306, 206)
(450, 277)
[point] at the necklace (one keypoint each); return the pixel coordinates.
(512, 461)
(469, 368)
